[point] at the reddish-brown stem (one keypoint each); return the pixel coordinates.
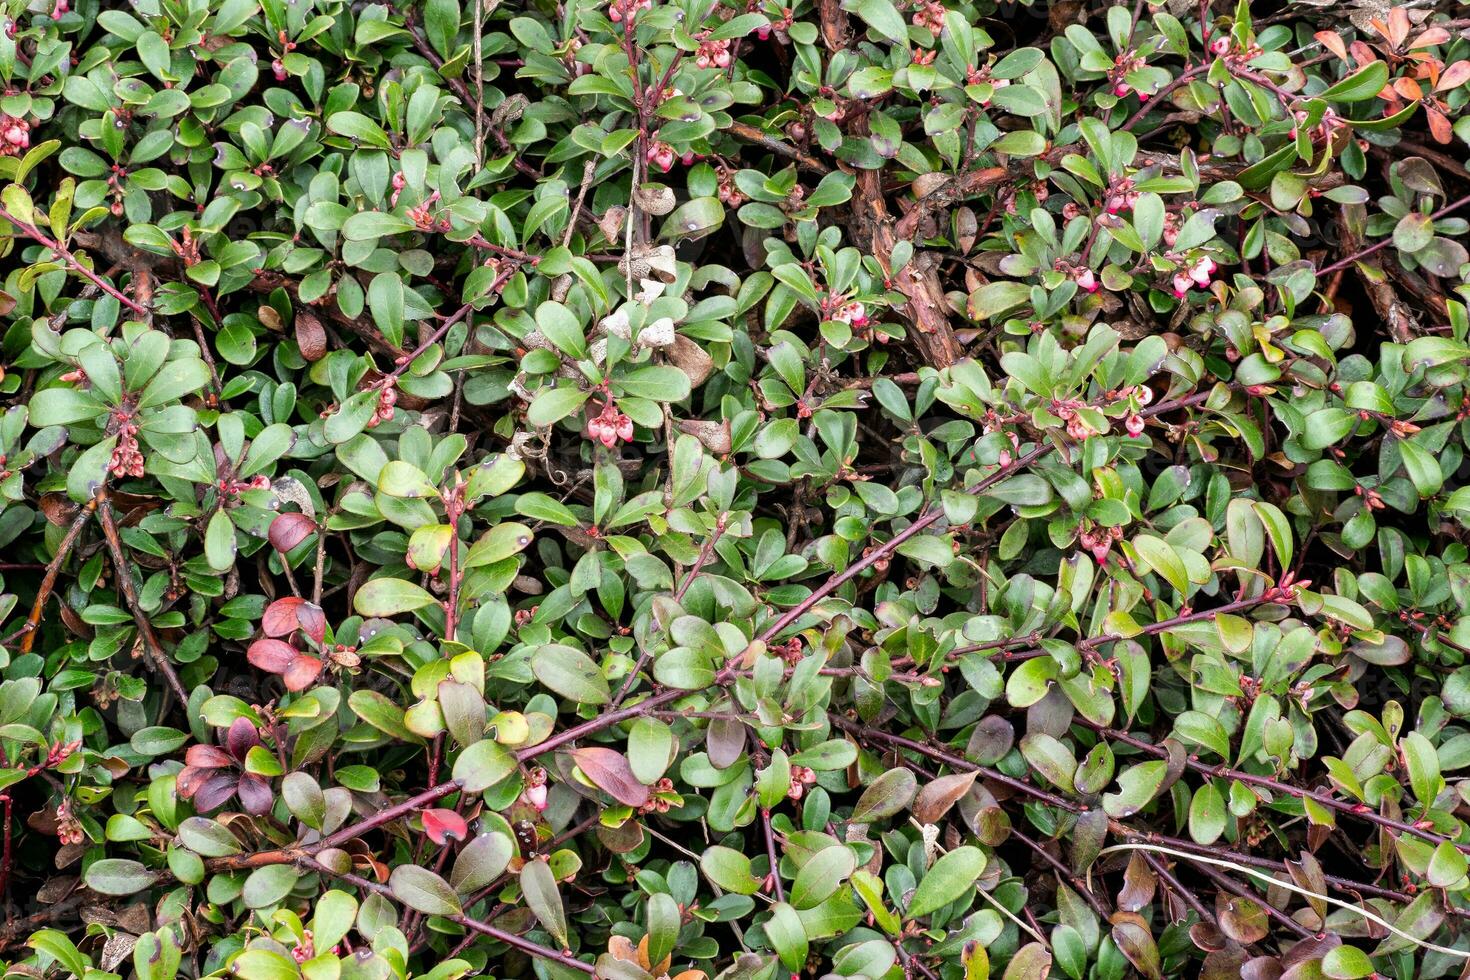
(1175, 886)
(1275, 786)
(286, 855)
(1269, 864)
(883, 551)
(1237, 889)
(40, 238)
(484, 928)
(405, 360)
(1092, 643)
(1064, 872)
(774, 861)
(6, 857)
(48, 582)
(124, 573)
(864, 734)
(1386, 241)
(1189, 74)
(462, 92)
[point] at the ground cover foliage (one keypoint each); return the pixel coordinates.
(693, 489)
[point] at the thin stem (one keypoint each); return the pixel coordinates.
(1241, 891)
(404, 360)
(1275, 786)
(124, 573)
(1385, 242)
(484, 928)
(1174, 885)
(775, 862)
(36, 235)
(48, 582)
(955, 762)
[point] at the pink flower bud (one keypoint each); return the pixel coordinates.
(1182, 284)
(1087, 280)
(536, 796)
(1121, 89)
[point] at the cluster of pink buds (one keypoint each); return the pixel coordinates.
(981, 76)
(801, 778)
(1066, 410)
(929, 15)
(126, 459)
(68, 827)
(729, 194)
(713, 54)
(386, 400)
(1099, 540)
(658, 803)
(621, 10)
(421, 216)
(610, 427)
(1197, 274)
(1221, 45)
(15, 135)
(233, 488)
(399, 181)
(1121, 195)
(660, 155)
(1037, 188)
(1126, 62)
(1172, 225)
(535, 791)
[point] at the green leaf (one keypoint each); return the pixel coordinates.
(219, 542)
(560, 326)
(821, 876)
(551, 405)
(886, 796)
(538, 885)
(946, 880)
(570, 673)
(117, 876)
(482, 765)
(423, 891)
(729, 870)
(883, 17)
(390, 597)
(1360, 86)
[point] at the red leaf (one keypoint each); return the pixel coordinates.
(289, 530)
(281, 616)
(312, 620)
(242, 737)
(272, 656)
(191, 779)
(302, 672)
(207, 757)
(440, 824)
(255, 794)
(609, 771)
(215, 791)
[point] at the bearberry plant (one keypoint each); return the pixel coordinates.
(714, 490)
